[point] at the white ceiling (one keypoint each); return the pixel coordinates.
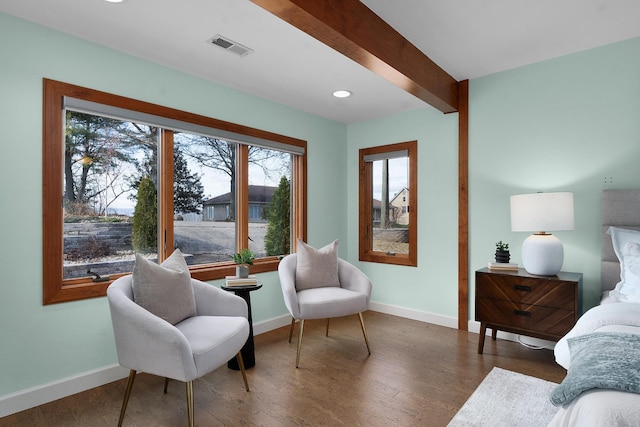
(467, 38)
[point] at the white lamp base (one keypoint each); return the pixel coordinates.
(542, 254)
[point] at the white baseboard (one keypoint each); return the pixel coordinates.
(39, 395)
(409, 313)
(271, 324)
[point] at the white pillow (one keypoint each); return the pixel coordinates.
(317, 268)
(165, 290)
(626, 244)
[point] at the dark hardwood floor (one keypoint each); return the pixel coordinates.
(418, 374)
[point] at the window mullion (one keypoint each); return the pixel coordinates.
(165, 195)
(242, 196)
(299, 198)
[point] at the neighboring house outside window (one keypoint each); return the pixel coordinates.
(218, 208)
(401, 205)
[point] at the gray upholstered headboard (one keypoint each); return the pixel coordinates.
(620, 208)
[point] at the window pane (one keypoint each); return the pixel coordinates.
(390, 205)
(269, 202)
(110, 194)
(204, 198)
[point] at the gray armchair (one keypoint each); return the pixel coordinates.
(185, 351)
(351, 297)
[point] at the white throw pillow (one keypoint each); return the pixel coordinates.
(317, 268)
(165, 290)
(626, 244)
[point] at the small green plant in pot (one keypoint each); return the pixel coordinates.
(502, 252)
(243, 259)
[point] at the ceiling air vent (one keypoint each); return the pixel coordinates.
(229, 45)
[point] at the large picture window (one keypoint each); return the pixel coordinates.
(388, 204)
(135, 177)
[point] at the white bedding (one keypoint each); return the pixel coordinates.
(599, 407)
(612, 317)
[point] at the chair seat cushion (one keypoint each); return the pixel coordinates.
(323, 303)
(214, 339)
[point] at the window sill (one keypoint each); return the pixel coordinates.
(84, 288)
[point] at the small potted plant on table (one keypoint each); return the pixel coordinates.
(502, 252)
(243, 259)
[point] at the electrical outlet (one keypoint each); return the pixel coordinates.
(608, 180)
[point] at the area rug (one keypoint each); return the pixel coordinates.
(506, 398)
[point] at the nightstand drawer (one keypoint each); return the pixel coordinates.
(536, 318)
(527, 290)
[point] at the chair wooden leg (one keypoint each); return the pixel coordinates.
(166, 384)
(127, 393)
(244, 373)
(190, 402)
(327, 333)
(364, 332)
(299, 342)
(293, 322)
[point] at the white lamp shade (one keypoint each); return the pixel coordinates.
(539, 212)
(542, 253)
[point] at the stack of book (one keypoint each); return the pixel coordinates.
(503, 266)
(241, 281)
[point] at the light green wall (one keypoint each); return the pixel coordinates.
(432, 286)
(40, 344)
(563, 124)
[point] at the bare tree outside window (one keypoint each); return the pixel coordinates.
(104, 162)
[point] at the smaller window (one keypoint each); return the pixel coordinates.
(255, 213)
(388, 186)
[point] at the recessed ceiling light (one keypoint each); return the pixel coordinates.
(342, 93)
(114, 1)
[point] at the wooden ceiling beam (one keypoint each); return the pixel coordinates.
(352, 29)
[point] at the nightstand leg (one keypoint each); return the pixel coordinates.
(483, 331)
(494, 333)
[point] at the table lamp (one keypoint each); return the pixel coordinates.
(542, 252)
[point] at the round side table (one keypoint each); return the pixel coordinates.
(248, 350)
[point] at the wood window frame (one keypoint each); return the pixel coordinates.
(366, 209)
(55, 288)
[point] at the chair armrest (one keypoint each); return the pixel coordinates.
(147, 343)
(353, 279)
(287, 275)
(213, 301)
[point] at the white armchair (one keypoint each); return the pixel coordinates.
(351, 297)
(185, 351)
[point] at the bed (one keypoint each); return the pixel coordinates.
(602, 352)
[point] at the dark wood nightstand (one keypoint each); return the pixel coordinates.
(544, 307)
